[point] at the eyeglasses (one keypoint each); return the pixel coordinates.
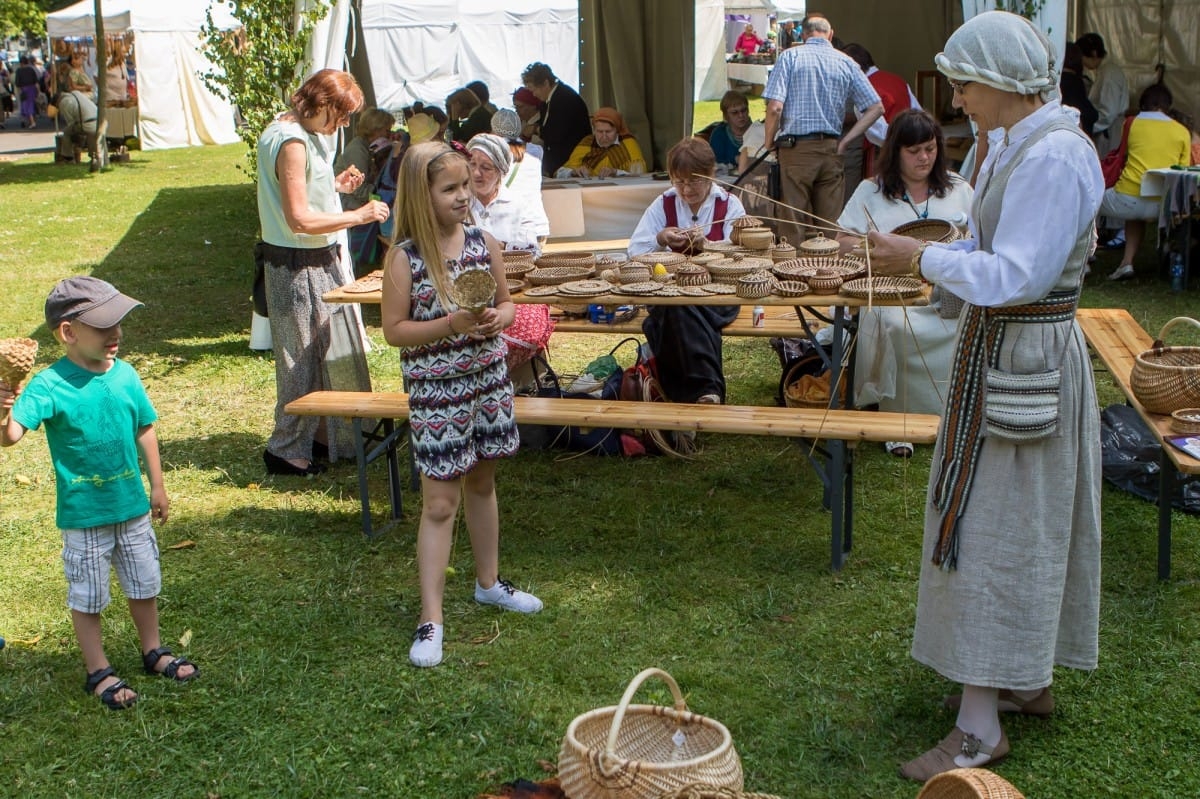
(688, 182)
(960, 85)
(485, 168)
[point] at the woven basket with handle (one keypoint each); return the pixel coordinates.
(645, 751)
(969, 783)
(1165, 379)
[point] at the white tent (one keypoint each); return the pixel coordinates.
(175, 109)
(425, 49)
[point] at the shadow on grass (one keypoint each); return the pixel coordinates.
(190, 258)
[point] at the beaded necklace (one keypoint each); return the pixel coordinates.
(921, 213)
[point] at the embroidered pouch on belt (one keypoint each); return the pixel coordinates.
(1022, 407)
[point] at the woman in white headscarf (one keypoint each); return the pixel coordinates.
(515, 222)
(1010, 574)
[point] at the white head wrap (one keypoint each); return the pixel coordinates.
(506, 124)
(494, 148)
(1004, 51)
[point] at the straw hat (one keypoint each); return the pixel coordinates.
(422, 127)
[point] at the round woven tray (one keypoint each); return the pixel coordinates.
(542, 291)
(670, 260)
(364, 285)
(573, 258)
(17, 356)
(473, 290)
(936, 230)
(804, 268)
(515, 286)
(584, 288)
(707, 257)
(969, 783)
(791, 288)
(881, 287)
(1186, 421)
(517, 256)
(518, 269)
(1165, 379)
(549, 276)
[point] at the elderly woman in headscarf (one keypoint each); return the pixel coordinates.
(1010, 573)
(610, 150)
(515, 223)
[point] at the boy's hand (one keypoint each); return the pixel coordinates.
(159, 505)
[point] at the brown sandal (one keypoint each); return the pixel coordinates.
(1041, 706)
(941, 757)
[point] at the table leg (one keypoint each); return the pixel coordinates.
(364, 495)
(1166, 482)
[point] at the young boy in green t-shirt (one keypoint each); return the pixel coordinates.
(98, 418)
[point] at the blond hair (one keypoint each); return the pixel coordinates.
(413, 212)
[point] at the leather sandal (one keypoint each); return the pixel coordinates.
(109, 695)
(941, 757)
(1041, 706)
(171, 670)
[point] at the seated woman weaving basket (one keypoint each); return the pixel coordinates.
(686, 339)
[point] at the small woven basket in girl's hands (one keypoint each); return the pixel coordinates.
(1165, 379)
(645, 751)
(969, 783)
(473, 290)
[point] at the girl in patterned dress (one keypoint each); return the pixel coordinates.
(453, 360)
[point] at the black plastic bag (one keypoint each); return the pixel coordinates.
(1131, 459)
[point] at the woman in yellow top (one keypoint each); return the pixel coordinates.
(610, 150)
(1155, 141)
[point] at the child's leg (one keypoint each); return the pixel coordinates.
(483, 521)
(439, 506)
(145, 618)
(87, 632)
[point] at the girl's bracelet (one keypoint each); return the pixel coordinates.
(450, 321)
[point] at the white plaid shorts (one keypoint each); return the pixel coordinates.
(129, 547)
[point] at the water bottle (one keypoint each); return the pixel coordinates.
(1177, 272)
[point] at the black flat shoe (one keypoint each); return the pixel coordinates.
(278, 465)
(320, 451)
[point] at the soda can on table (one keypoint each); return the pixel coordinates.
(758, 316)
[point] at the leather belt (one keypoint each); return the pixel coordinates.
(790, 139)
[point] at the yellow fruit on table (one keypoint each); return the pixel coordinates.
(659, 269)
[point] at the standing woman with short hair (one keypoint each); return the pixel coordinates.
(1010, 568)
(300, 215)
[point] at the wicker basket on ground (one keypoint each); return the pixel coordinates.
(969, 783)
(645, 751)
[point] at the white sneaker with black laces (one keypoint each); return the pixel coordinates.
(1122, 272)
(426, 649)
(504, 595)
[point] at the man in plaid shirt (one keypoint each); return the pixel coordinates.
(807, 95)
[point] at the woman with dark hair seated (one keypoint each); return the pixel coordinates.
(686, 339)
(1155, 141)
(468, 116)
(903, 355)
(609, 150)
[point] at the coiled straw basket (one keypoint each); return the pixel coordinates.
(1166, 379)
(969, 783)
(645, 751)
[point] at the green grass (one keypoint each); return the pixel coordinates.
(715, 570)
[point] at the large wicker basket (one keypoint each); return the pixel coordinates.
(700, 791)
(969, 783)
(1165, 379)
(645, 751)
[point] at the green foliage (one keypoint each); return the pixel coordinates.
(27, 16)
(1026, 8)
(259, 64)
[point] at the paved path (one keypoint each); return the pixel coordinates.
(16, 142)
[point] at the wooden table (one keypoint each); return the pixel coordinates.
(831, 459)
(1117, 339)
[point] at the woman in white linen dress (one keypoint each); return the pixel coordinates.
(902, 355)
(1010, 573)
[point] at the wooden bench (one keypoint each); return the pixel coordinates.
(777, 321)
(1117, 339)
(838, 427)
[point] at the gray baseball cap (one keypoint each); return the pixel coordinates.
(89, 299)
